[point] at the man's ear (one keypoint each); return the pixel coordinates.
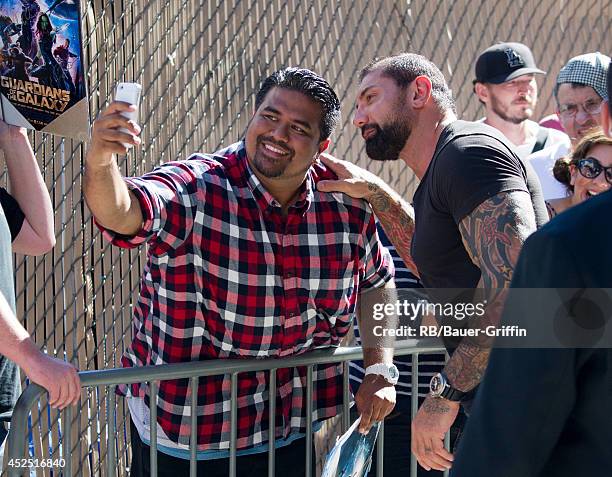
(323, 145)
(481, 91)
(419, 92)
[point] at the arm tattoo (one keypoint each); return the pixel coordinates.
(493, 235)
(397, 219)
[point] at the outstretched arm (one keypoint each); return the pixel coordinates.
(106, 193)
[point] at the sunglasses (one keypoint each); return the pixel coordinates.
(590, 168)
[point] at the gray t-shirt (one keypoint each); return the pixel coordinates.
(11, 220)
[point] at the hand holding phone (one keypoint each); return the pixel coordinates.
(129, 93)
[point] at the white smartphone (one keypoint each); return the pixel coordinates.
(129, 93)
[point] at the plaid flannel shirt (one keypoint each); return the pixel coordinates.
(228, 277)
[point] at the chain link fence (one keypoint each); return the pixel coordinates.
(200, 63)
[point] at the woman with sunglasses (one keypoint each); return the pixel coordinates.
(587, 172)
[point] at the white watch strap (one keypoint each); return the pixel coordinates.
(378, 368)
(382, 369)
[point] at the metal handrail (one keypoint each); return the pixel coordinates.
(18, 431)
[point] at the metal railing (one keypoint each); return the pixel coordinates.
(17, 439)
(200, 63)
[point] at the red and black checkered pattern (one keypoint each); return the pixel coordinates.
(227, 276)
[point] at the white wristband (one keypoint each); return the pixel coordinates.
(387, 371)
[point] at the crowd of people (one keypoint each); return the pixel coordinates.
(271, 247)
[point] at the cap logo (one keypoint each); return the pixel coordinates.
(513, 58)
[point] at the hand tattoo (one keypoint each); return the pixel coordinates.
(436, 406)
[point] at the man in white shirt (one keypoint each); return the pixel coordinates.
(580, 92)
(506, 85)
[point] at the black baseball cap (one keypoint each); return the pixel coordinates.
(504, 62)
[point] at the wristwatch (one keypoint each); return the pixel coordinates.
(440, 387)
(387, 371)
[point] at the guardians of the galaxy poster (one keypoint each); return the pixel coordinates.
(42, 84)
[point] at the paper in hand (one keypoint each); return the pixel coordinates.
(352, 454)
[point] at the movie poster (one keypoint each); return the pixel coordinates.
(42, 84)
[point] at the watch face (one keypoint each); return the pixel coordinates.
(436, 385)
(393, 372)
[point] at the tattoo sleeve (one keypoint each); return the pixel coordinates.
(493, 235)
(397, 219)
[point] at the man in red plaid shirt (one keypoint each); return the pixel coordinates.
(246, 259)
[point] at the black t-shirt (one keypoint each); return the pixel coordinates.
(12, 212)
(472, 163)
(535, 190)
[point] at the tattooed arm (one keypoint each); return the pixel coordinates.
(395, 214)
(397, 219)
(493, 235)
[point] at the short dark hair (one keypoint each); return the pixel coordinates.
(404, 68)
(310, 84)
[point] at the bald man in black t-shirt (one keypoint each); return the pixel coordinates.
(472, 212)
(546, 412)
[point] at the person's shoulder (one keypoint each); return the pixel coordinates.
(216, 164)
(552, 122)
(552, 152)
(196, 166)
(461, 128)
(469, 135)
(570, 249)
(319, 172)
(589, 219)
(193, 173)
(555, 136)
(466, 145)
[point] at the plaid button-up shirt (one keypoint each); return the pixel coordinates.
(227, 276)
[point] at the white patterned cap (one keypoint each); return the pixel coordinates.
(590, 69)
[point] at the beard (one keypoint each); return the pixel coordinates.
(267, 166)
(389, 140)
(504, 111)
